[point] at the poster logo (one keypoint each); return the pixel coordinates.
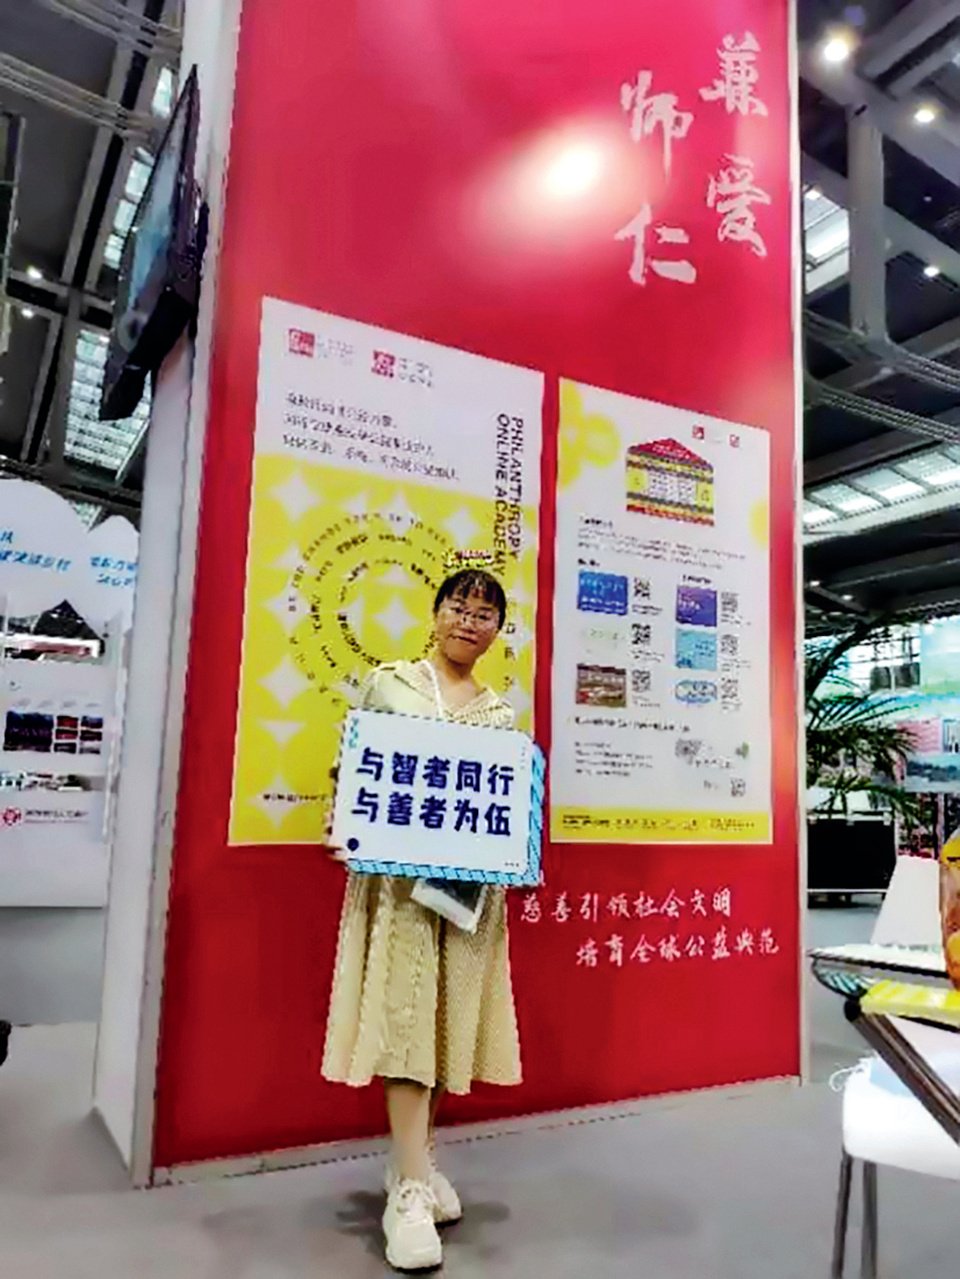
(416, 372)
(11, 817)
(300, 342)
(384, 364)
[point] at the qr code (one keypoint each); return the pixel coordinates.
(641, 588)
(729, 646)
(730, 690)
(688, 748)
(738, 788)
(641, 633)
(729, 606)
(640, 682)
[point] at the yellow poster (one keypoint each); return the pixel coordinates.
(377, 455)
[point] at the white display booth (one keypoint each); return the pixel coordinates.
(61, 697)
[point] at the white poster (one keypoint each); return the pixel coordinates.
(377, 456)
(423, 797)
(661, 673)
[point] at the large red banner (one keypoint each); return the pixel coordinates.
(600, 191)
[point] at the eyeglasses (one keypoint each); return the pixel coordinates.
(483, 621)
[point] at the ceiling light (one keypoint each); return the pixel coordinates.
(925, 114)
(815, 583)
(818, 515)
(27, 312)
(837, 48)
(857, 503)
(847, 598)
(813, 193)
(897, 492)
(931, 271)
(35, 274)
(943, 478)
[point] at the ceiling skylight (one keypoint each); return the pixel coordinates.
(89, 512)
(826, 240)
(107, 445)
(137, 178)
(814, 515)
(922, 484)
(826, 229)
(162, 104)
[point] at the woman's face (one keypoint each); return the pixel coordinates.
(465, 627)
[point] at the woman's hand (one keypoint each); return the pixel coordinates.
(334, 851)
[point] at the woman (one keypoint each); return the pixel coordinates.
(417, 1002)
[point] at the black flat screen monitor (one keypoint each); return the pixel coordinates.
(160, 268)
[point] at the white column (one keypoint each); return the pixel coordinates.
(146, 804)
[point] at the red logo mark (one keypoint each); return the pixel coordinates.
(384, 364)
(301, 342)
(699, 432)
(11, 816)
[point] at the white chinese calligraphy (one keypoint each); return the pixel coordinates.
(649, 112)
(680, 270)
(532, 913)
(727, 941)
(733, 192)
(738, 77)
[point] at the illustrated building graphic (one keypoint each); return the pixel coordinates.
(666, 479)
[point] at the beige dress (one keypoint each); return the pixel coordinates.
(415, 997)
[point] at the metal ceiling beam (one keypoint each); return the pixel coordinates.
(57, 295)
(41, 86)
(57, 430)
(857, 457)
(904, 236)
(894, 566)
(127, 25)
(912, 76)
(880, 448)
(936, 145)
(933, 344)
(868, 275)
(912, 27)
(43, 373)
(928, 601)
(829, 602)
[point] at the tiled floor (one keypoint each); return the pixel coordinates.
(718, 1187)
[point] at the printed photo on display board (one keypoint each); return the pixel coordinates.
(376, 456)
(661, 679)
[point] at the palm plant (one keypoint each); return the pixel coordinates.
(853, 746)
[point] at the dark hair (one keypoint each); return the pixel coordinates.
(473, 581)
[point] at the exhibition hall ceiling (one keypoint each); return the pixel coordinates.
(93, 83)
(879, 105)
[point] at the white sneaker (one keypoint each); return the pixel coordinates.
(410, 1228)
(449, 1209)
